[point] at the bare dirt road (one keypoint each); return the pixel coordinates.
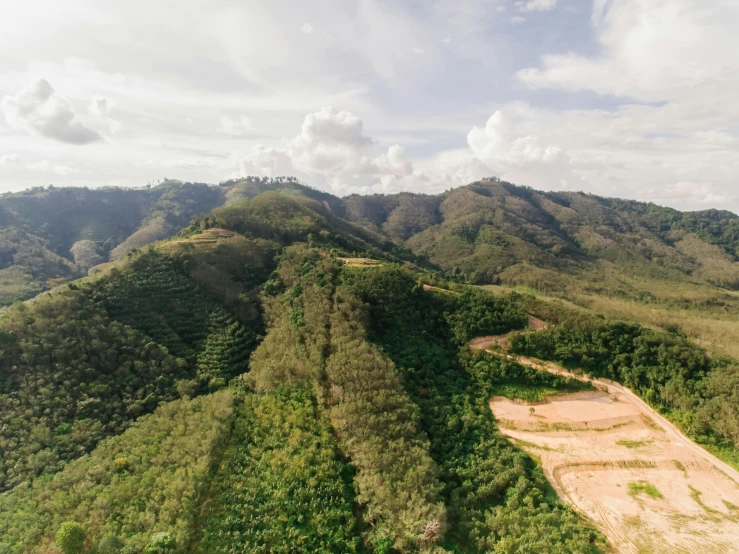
(645, 485)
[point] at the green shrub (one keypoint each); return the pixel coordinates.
(71, 537)
(160, 543)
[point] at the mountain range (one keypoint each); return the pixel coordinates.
(489, 232)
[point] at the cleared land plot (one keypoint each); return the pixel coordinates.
(644, 484)
(360, 262)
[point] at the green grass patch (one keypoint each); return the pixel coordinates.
(526, 444)
(537, 393)
(633, 444)
(638, 487)
(681, 467)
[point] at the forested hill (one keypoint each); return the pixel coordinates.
(493, 231)
(485, 233)
(49, 235)
(240, 388)
(276, 378)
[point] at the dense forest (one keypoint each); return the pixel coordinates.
(242, 387)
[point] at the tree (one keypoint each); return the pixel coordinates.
(160, 543)
(71, 537)
(109, 544)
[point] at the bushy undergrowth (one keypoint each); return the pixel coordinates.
(148, 480)
(280, 487)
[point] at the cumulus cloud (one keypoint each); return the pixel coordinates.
(521, 157)
(331, 142)
(101, 107)
(333, 150)
(332, 147)
(9, 159)
(38, 109)
(651, 50)
(536, 5)
(47, 166)
(236, 127)
(268, 162)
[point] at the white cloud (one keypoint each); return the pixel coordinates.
(653, 50)
(307, 28)
(331, 142)
(331, 149)
(38, 109)
(670, 134)
(48, 166)
(521, 157)
(608, 153)
(236, 127)
(9, 159)
(268, 162)
(394, 162)
(100, 107)
(536, 5)
(690, 194)
(678, 55)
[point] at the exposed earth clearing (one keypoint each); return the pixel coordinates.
(360, 262)
(644, 484)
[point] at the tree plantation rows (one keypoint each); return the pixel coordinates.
(83, 364)
(228, 393)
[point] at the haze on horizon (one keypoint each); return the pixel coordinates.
(627, 98)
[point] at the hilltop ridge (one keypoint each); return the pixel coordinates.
(488, 232)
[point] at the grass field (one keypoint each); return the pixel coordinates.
(708, 315)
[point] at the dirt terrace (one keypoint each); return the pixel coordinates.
(644, 484)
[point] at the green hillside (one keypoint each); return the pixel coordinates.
(276, 377)
(54, 233)
(495, 232)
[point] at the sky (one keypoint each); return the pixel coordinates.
(629, 98)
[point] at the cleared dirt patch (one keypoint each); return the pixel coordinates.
(208, 236)
(645, 485)
(360, 262)
(438, 289)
